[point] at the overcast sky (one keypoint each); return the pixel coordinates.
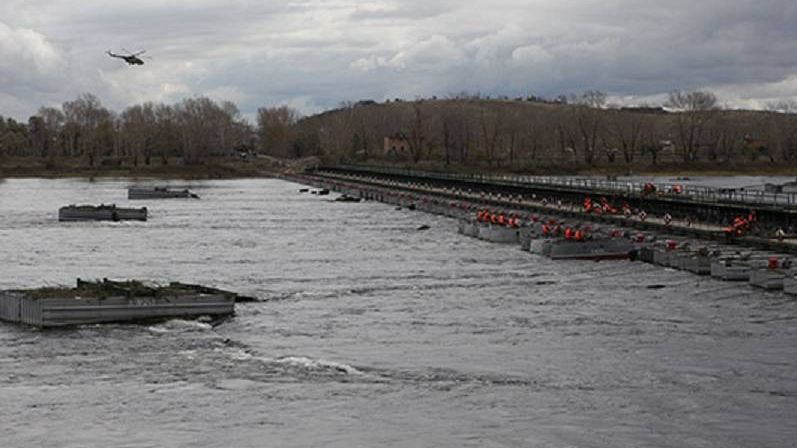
(314, 54)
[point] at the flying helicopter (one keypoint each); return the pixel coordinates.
(130, 58)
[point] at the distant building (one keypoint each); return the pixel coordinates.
(758, 148)
(396, 146)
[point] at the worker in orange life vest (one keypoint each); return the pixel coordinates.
(568, 233)
(579, 236)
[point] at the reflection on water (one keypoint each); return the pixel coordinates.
(371, 333)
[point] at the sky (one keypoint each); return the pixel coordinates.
(315, 54)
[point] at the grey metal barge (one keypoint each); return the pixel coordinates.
(101, 213)
(498, 233)
(135, 193)
(109, 301)
(597, 249)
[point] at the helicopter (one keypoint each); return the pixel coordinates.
(131, 58)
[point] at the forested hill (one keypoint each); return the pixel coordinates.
(528, 135)
(462, 132)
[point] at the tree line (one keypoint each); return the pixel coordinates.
(579, 131)
(189, 132)
(461, 130)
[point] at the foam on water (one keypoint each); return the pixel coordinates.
(180, 325)
(310, 363)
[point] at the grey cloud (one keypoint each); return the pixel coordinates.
(315, 54)
(396, 10)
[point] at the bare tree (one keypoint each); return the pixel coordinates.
(629, 130)
(199, 120)
(414, 134)
(490, 126)
(695, 111)
(90, 127)
(275, 129)
(51, 130)
(589, 121)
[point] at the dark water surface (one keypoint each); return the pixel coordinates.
(374, 334)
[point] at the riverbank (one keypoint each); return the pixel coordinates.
(206, 171)
(713, 171)
(264, 166)
(620, 170)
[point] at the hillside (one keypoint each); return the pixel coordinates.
(535, 136)
(201, 137)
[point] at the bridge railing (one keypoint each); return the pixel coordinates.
(735, 196)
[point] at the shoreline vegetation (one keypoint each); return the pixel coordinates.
(187, 172)
(199, 138)
(234, 168)
(217, 168)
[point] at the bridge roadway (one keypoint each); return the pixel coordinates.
(691, 216)
(707, 205)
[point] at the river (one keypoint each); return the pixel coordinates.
(371, 333)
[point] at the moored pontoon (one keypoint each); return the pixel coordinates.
(109, 301)
(101, 213)
(135, 193)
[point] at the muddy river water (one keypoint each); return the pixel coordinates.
(371, 333)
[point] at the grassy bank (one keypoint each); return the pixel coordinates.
(230, 168)
(219, 168)
(214, 171)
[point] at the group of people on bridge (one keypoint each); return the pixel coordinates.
(552, 228)
(603, 207)
(740, 225)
